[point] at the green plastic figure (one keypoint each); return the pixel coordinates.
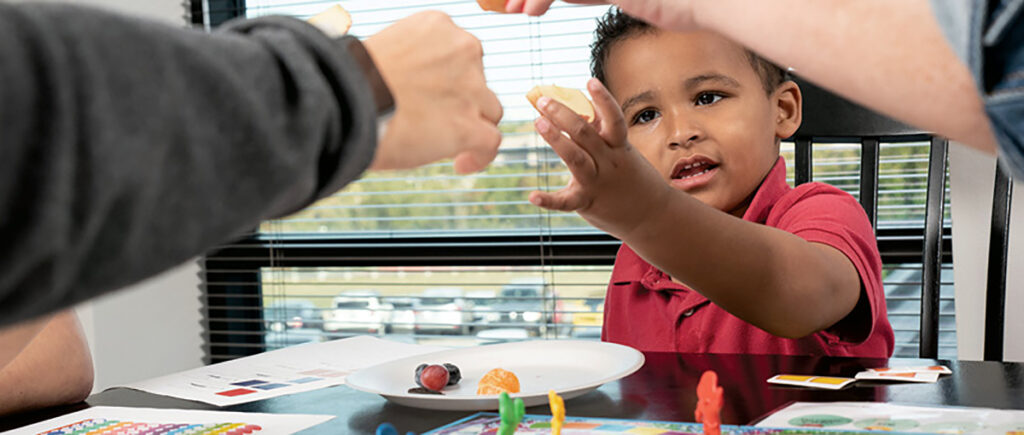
(511, 412)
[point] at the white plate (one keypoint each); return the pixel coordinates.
(569, 367)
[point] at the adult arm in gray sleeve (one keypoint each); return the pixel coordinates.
(127, 147)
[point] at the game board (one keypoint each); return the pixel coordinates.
(486, 423)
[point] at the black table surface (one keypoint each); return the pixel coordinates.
(663, 389)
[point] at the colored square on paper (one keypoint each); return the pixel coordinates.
(306, 380)
(236, 392)
(270, 386)
(547, 425)
(826, 382)
(248, 383)
(829, 380)
(794, 378)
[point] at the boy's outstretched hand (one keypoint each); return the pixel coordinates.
(613, 187)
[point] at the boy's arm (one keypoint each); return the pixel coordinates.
(763, 275)
(888, 55)
(54, 368)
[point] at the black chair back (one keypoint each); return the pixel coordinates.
(830, 118)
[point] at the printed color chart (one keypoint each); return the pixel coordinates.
(111, 420)
(102, 426)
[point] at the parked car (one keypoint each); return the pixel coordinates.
(588, 318)
(290, 322)
(403, 314)
(444, 309)
(357, 311)
(290, 313)
(521, 303)
(483, 308)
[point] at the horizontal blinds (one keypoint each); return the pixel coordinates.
(434, 200)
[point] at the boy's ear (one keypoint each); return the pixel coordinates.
(788, 109)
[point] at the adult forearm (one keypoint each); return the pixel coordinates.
(763, 275)
(55, 368)
(888, 55)
(129, 147)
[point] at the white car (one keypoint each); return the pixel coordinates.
(444, 309)
(357, 311)
(403, 314)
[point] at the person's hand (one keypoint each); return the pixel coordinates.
(613, 187)
(676, 15)
(443, 107)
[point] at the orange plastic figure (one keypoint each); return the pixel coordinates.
(709, 403)
(557, 412)
(496, 381)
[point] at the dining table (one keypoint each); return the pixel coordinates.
(663, 389)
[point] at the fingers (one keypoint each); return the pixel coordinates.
(490, 106)
(564, 119)
(566, 199)
(534, 7)
(516, 6)
(611, 122)
(579, 162)
(484, 141)
(539, 7)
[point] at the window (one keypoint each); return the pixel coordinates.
(429, 256)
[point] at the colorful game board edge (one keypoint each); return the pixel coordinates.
(726, 429)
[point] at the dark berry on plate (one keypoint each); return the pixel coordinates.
(454, 375)
(421, 390)
(419, 369)
(433, 377)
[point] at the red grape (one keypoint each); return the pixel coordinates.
(434, 377)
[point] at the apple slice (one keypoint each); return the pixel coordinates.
(492, 5)
(571, 98)
(335, 21)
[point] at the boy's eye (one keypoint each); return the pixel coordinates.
(645, 116)
(706, 98)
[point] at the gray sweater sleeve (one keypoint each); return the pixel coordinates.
(128, 147)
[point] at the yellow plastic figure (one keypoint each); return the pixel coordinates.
(557, 412)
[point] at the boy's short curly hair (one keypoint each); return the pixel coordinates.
(615, 26)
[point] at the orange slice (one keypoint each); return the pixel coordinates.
(571, 98)
(496, 381)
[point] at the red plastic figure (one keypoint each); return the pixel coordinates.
(709, 403)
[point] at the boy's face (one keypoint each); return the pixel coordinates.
(697, 110)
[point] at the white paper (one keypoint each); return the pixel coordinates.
(919, 377)
(146, 421)
(280, 372)
(901, 418)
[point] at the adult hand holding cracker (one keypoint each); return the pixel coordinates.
(613, 187)
(444, 109)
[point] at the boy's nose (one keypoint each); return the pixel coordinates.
(683, 133)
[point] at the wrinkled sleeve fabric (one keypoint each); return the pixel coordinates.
(988, 35)
(128, 147)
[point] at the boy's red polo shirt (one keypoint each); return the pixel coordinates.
(646, 310)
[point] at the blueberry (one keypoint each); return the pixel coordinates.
(454, 375)
(419, 369)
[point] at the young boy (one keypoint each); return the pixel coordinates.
(682, 164)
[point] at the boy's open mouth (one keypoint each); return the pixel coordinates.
(692, 167)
